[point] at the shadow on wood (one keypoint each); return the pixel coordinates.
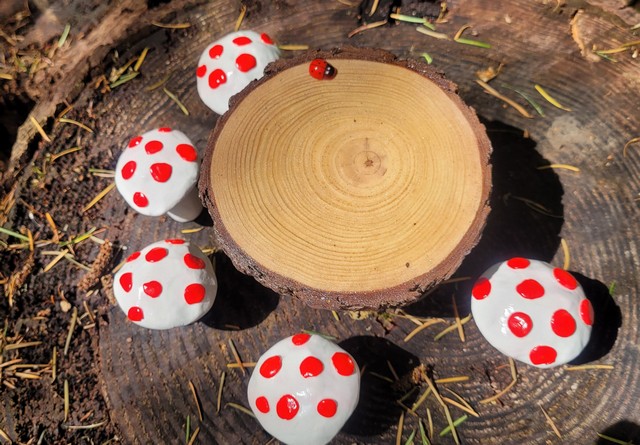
(525, 220)
(607, 320)
(378, 409)
(241, 302)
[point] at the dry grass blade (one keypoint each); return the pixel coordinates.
(630, 142)
(549, 98)
(219, 401)
(514, 379)
(559, 166)
(64, 120)
(400, 428)
(492, 91)
(72, 325)
(174, 98)
(565, 253)
(366, 27)
(422, 327)
(240, 408)
(99, 196)
(551, 422)
(243, 12)
(39, 128)
(195, 398)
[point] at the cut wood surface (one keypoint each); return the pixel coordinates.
(362, 191)
(138, 381)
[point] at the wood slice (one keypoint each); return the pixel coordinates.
(360, 191)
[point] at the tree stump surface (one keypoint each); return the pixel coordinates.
(340, 192)
(138, 381)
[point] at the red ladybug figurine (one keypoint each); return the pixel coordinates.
(320, 69)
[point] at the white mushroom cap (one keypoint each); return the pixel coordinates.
(303, 389)
(532, 312)
(157, 172)
(228, 65)
(167, 284)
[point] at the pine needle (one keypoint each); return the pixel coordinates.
(565, 252)
(55, 261)
(174, 98)
(195, 398)
(549, 98)
(411, 19)
(366, 27)
(614, 440)
(243, 12)
(240, 408)
(194, 436)
(427, 58)
(457, 318)
(39, 128)
(124, 79)
(72, 325)
(447, 413)
(423, 434)
(64, 120)
(5, 436)
(65, 152)
(293, 47)
(236, 356)
(471, 42)
(158, 84)
(528, 98)
(66, 400)
(14, 234)
(65, 34)
(452, 426)
(172, 26)
(514, 379)
(421, 400)
(400, 428)
(492, 91)
(430, 33)
(559, 166)
(140, 60)
(218, 404)
(99, 196)
(423, 326)
(630, 142)
(451, 328)
(588, 367)
(551, 422)
(458, 379)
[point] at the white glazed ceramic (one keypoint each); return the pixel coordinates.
(228, 65)
(533, 312)
(303, 389)
(157, 172)
(167, 284)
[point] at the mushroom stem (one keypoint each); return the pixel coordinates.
(188, 209)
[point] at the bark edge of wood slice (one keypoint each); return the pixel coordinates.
(359, 192)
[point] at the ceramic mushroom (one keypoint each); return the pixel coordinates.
(167, 284)
(532, 312)
(228, 65)
(157, 173)
(304, 389)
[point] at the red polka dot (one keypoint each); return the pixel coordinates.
(133, 256)
(530, 289)
(562, 323)
(300, 339)
(311, 367)
(135, 141)
(246, 62)
(161, 171)
(193, 262)
(242, 40)
(586, 312)
(201, 71)
(126, 281)
(216, 51)
(565, 278)
(187, 152)
(152, 147)
(543, 355)
(520, 324)
(266, 39)
(481, 289)
(217, 78)
(135, 314)
(287, 407)
(343, 363)
(128, 169)
(140, 199)
(194, 293)
(262, 404)
(174, 241)
(271, 366)
(164, 130)
(156, 254)
(152, 288)
(518, 263)
(327, 407)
